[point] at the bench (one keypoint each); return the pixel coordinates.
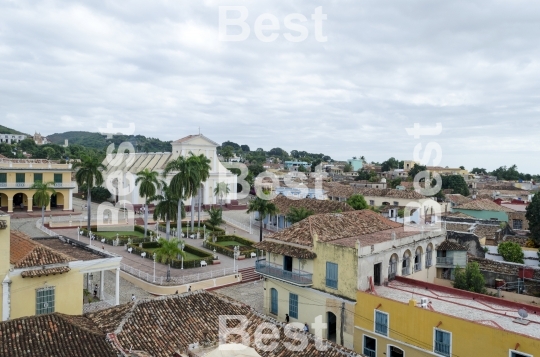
(253, 255)
(103, 240)
(203, 263)
(143, 254)
(130, 250)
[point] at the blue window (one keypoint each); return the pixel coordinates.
(381, 323)
(331, 275)
(274, 301)
(370, 346)
(293, 305)
(443, 342)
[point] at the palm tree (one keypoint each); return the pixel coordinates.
(167, 251)
(298, 214)
(42, 197)
(89, 174)
(149, 183)
(165, 209)
(222, 189)
(263, 208)
(204, 173)
(182, 183)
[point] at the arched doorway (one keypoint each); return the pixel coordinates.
(394, 351)
(331, 323)
(3, 201)
(392, 267)
(418, 259)
(429, 255)
(20, 201)
(406, 264)
(273, 301)
(57, 200)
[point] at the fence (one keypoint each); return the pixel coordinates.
(176, 280)
(237, 224)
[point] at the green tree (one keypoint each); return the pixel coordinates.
(167, 251)
(511, 252)
(456, 183)
(263, 208)
(415, 170)
(227, 152)
(256, 169)
(100, 193)
(148, 185)
(301, 168)
(395, 182)
(42, 197)
(533, 216)
(477, 170)
(347, 168)
(298, 214)
(390, 164)
(88, 172)
(165, 209)
(216, 216)
(470, 279)
(221, 190)
(357, 202)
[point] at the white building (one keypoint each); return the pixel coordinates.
(125, 167)
(11, 138)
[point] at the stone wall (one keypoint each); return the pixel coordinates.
(468, 240)
(470, 220)
(518, 216)
(516, 239)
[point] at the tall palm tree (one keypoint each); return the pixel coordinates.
(149, 183)
(42, 197)
(222, 189)
(165, 209)
(182, 183)
(167, 251)
(216, 216)
(263, 208)
(89, 174)
(204, 173)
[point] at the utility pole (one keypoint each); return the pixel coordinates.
(342, 325)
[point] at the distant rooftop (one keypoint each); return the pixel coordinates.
(459, 303)
(71, 248)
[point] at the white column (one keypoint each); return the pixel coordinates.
(102, 280)
(70, 199)
(117, 290)
(6, 298)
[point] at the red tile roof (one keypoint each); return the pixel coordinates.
(284, 204)
(483, 205)
(348, 191)
(285, 249)
(25, 253)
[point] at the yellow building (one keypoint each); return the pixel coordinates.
(18, 175)
(47, 275)
(412, 318)
(314, 268)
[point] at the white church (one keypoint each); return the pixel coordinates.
(122, 169)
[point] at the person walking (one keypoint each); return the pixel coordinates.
(287, 318)
(306, 328)
(133, 298)
(95, 291)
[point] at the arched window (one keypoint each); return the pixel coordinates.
(418, 259)
(406, 264)
(273, 301)
(392, 267)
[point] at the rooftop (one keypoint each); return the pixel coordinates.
(458, 199)
(478, 308)
(35, 164)
(284, 204)
(70, 248)
(25, 252)
(347, 191)
(483, 205)
(451, 245)
(341, 228)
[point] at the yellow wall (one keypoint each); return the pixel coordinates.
(347, 260)
(412, 329)
(68, 293)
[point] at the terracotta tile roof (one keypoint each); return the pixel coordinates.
(333, 226)
(457, 198)
(458, 227)
(348, 191)
(483, 205)
(456, 214)
(284, 204)
(485, 230)
(164, 325)
(44, 272)
(74, 251)
(450, 245)
(24, 252)
(285, 249)
(55, 335)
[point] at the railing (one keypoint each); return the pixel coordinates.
(44, 229)
(442, 348)
(176, 280)
(29, 185)
(445, 261)
(277, 271)
(237, 224)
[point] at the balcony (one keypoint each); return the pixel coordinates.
(29, 184)
(446, 261)
(275, 271)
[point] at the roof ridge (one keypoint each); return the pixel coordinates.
(74, 320)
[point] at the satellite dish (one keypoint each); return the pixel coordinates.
(523, 313)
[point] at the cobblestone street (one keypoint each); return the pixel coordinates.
(251, 294)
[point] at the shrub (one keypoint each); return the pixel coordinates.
(177, 263)
(470, 279)
(511, 252)
(245, 250)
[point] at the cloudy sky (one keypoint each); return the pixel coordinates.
(472, 66)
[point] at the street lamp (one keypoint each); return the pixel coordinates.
(234, 257)
(182, 255)
(154, 267)
(78, 233)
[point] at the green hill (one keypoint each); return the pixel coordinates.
(100, 142)
(6, 130)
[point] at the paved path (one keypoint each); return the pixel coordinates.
(251, 294)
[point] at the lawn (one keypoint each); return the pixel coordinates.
(229, 243)
(189, 255)
(112, 235)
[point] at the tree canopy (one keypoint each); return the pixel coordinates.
(470, 279)
(533, 216)
(357, 202)
(511, 252)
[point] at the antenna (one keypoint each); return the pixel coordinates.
(522, 313)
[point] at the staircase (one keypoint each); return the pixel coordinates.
(249, 274)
